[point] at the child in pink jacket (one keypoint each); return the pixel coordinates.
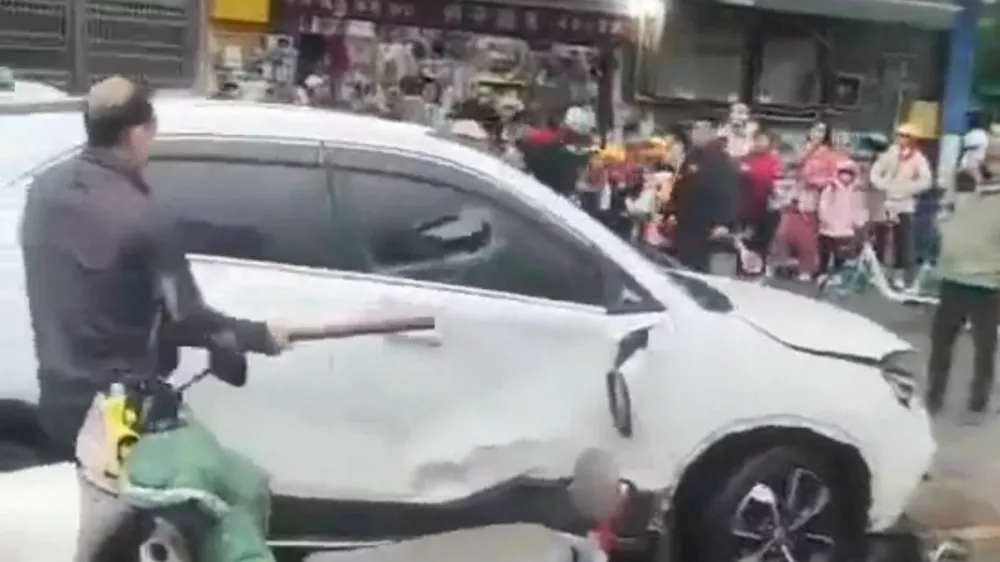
(841, 212)
(798, 229)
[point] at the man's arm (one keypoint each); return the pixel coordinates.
(191, 322)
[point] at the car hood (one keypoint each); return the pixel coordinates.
(807, 324)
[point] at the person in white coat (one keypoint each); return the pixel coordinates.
(900, 174)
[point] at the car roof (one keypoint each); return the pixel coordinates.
(228, 117)
(28, 91)
(198, 116)
(178, 114)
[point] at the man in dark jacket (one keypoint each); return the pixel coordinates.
(109, 291)
(551, 155)
(705, 199)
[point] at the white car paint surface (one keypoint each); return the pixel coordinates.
(509, 385)
(30, 91)
(46, 500)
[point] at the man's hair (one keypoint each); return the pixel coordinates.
(114, 105)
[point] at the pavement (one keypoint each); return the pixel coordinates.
(961, 500)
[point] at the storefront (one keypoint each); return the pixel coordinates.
(545, 55)
(861, 62)
(237, 38)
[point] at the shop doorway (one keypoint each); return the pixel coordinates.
(311, 47)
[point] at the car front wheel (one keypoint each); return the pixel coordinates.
(781, 505)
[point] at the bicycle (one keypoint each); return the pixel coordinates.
(864, 272)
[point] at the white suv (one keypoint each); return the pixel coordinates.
(719, 399)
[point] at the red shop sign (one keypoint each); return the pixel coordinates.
(550, 24)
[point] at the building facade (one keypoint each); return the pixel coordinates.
(71, 43)
(859, 62)
(236, 34)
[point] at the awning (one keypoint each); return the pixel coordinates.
(928, 14)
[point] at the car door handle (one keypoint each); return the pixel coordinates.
(423, 338)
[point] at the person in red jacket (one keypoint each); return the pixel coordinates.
(761, 168)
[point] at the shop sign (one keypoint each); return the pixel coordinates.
(243, 11)
(551, 24)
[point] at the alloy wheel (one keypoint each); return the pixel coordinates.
(785, 521)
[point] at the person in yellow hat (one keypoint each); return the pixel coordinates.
(900, 174)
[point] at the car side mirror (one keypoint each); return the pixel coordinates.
(229, 367)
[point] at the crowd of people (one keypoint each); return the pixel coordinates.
(413, 74)
(705, 187)
(708, 185)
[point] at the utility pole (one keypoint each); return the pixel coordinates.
(958, 88)
(76, 11)
(202, 67)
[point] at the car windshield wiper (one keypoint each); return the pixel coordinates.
(705, 295)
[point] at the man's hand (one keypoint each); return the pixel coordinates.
(719, 232)
(280, 339)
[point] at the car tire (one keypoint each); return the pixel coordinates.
(734, 515)
(14, 456)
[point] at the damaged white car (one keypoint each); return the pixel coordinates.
(745, 420)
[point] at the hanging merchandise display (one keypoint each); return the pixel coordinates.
(533, 23)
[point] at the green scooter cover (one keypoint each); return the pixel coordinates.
(188, 464)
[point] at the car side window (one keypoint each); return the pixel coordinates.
(420, 229)
(242, 209)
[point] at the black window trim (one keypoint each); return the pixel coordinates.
(243, 149)
(281, 151)
(338, 160)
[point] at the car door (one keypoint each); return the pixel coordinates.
(516, 369)
(254, 217)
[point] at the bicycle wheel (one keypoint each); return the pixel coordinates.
(837, 285)
(824, 288)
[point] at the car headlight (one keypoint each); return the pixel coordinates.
(897, 373)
